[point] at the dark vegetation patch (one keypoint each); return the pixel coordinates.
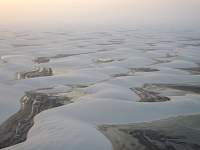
(39, 72)
(15, 129)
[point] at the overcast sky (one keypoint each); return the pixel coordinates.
(101, 12)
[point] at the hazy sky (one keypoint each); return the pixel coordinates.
(77, 12)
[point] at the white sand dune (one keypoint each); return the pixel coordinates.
(98, 70)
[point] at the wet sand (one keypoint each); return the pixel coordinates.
(153, 92)
(178, 133)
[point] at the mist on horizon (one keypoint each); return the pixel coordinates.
(178, 13)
